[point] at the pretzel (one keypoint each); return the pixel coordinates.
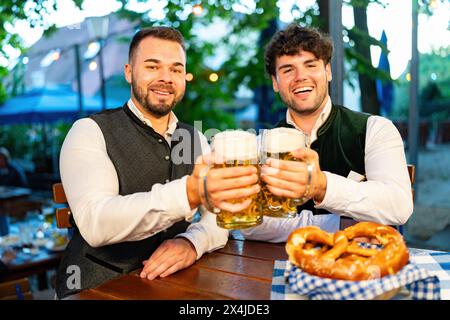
(340, 256)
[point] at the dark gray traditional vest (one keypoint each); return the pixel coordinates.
(340, 144)
(141, 158)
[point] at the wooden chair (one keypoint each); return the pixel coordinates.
(64, 217)
(16, 290)
(412, 173)
(19, 208)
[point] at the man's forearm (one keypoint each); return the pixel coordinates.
(192, 190)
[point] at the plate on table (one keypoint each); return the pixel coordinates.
(53, 247)
(41, 242)
(9, 240)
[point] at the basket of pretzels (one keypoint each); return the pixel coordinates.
(365, 261)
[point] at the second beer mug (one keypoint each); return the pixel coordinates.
(233, 149)
(278, 143)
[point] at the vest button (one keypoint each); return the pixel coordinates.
(160, 140)
(167, 157)
(167, 180)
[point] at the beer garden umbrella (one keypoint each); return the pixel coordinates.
(50, 104)
(384, 89)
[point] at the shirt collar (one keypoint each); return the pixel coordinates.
(173, 120)
(319, 122)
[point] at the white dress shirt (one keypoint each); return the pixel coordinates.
(104, 217)
(385, 197)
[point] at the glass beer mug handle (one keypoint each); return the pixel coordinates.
(304, 198)
(276, 208)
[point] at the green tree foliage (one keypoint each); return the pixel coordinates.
(242, 65)
(34, 13)
(241, 47)
(39, 143)
(434, 87)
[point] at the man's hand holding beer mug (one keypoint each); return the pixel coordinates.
(290, 172)
(226, 181)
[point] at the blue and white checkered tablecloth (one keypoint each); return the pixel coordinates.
(425, 264)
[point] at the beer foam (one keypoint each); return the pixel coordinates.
(235, 145)
(281, 140)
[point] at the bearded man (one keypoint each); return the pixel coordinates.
(131, 178)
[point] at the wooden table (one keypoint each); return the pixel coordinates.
(241, 270)
(16, 202)
(37, 264)
(9, 193)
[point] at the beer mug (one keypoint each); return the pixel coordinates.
(234, 148)
(278, 143)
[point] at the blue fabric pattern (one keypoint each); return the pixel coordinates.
(426, 276)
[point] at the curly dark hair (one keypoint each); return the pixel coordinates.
(295, 38)
(161, 32)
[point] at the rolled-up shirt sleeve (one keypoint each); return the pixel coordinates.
(92, 188)
(205, 235)
(385, 196)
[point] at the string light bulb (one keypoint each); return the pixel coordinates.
(213, 77)
(433, 4)
(92, 65)
(56, 56)
(92, 46)
(197, 9)
(189, 77)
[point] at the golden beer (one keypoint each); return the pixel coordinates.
(278, 143)
(235, 149)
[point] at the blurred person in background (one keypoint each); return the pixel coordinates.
(11, 174)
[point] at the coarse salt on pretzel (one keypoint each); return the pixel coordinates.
(339, 256)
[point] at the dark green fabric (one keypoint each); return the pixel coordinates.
(141, 158)
(340, 145)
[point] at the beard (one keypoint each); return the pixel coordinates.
(305, 111)
(302, 111)
(160, 108)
